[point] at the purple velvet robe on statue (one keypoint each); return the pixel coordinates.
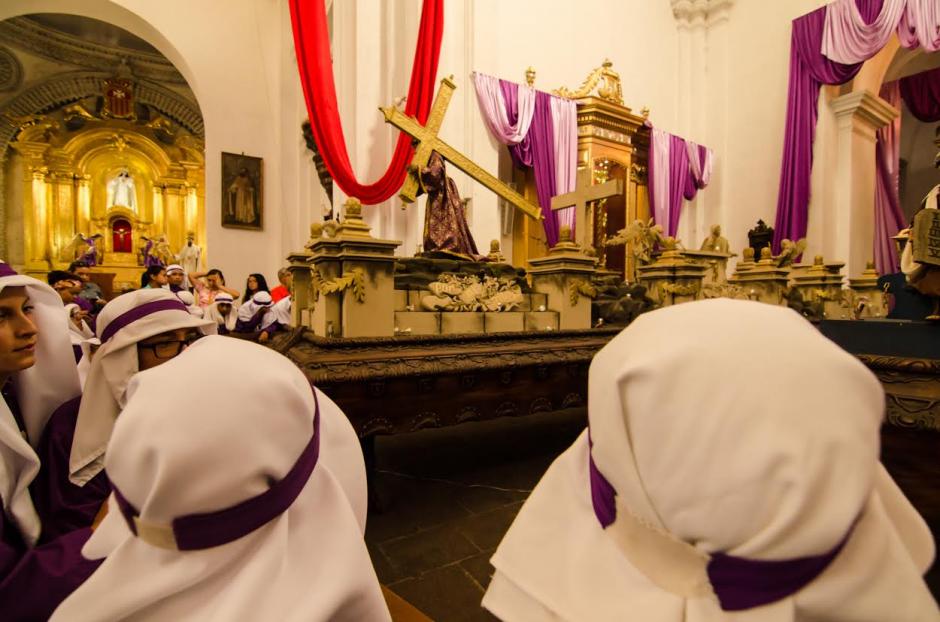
(445, 223)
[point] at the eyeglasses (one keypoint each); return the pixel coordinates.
(169, 349)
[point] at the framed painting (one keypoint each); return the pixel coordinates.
(242, 191)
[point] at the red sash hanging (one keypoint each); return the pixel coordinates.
(312, 44)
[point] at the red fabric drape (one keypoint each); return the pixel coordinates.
(312, 45)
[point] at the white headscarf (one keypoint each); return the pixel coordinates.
(80, 337)
(308, 563)
(723, 426)
(114, 364)
(190, 301)
(49, 383)
(213, 314)
(78, 334)
(280, 312)
(260, 300)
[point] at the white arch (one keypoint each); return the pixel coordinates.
(105, 11)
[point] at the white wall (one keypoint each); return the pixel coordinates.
(235, 57)
(749, 142)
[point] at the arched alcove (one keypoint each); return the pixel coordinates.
(66, 135)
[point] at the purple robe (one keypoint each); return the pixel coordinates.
(90, 257)
(150, 260)
(62, 506)
(445, 222)
(33, 582)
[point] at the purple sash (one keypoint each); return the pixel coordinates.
(203, 531)
(132, 315)
(7, 270)
(739, 583)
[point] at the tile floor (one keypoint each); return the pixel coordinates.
(447, 497)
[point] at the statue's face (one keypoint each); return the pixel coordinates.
(716, 230)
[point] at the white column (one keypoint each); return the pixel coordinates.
(849, 230)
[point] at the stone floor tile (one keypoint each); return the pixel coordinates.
(445, 594)
(427, 550)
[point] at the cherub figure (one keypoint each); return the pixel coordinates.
(789, 251)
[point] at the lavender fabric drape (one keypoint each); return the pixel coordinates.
(565, 119)
(536, 151)
(889, 219)
(920, 25)
(809, 70)
(850, 38)
(701, 162)
(495, 113)
(921, 94)
(659, 175)
(678, 181)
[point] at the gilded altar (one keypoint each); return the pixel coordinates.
(613, 143)
(101, 173)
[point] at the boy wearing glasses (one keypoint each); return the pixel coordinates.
(138, 331)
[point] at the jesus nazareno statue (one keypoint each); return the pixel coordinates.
(445, 221)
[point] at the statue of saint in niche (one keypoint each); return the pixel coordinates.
(121, 191)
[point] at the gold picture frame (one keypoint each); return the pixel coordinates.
(242, 191)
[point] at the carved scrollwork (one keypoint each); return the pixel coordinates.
(604, 79)
(679, 290)
(11, 72)
(578, 288)
(355, 280)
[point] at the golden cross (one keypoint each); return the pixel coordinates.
(426, 140)
(583, 194)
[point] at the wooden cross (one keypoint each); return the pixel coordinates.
(585, 192)
(426, 140)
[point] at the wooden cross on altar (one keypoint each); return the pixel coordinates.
(583, 194)
(426, 140)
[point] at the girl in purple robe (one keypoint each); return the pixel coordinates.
(138, 330)
(38, 373)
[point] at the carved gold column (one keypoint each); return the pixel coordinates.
(35, 202)
(62, 208)
(174, 213)
(83, 203)
(614, 141)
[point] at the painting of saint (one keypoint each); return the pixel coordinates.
(242, 191)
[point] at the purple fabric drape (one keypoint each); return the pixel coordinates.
(921, 93)
(889, 219)
(809, 70)
(536, 151)
(678, 169)
(679, 181)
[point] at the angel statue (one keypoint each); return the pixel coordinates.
(644, 237)
(789, 251)
(89, 256)
(156, 251)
